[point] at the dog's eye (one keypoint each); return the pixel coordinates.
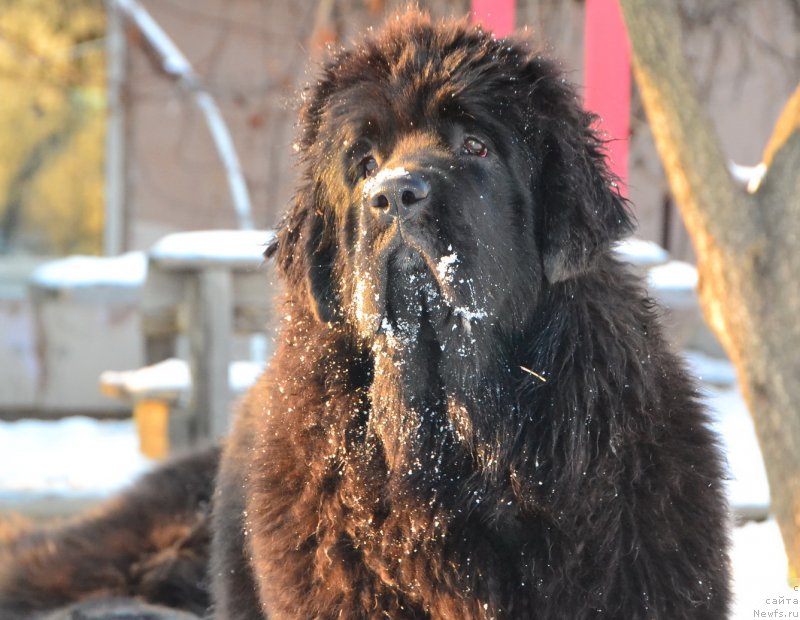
(368, 166)
(473, 146)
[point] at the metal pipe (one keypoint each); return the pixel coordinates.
(175, 64)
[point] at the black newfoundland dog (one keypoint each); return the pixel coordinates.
(471, 412)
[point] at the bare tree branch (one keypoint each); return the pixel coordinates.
(698, 176)
(787, 123)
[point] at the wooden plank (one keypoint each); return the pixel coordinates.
(210, 327)
(208, 301)
(152, 419)
(162, 289)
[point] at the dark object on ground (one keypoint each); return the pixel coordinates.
(118, 609)
(471, 412)
(151, 543)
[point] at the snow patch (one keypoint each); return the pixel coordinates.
(217, 246)
(760, 573)
(445, 266)
(719, 372)
(387, 174)
(470, 315)
(749, 176)
(173, 375)
(641, 252)
(674, 275)
(73, 456)
(748, 489)
(126, 270)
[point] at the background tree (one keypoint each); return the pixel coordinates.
(748, 246)
(52, 122)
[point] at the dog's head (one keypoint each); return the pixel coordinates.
(448, 177)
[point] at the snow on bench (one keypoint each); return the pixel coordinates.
(156, 390)
(236, 248)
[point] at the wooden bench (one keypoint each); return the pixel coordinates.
(208, 286)
(158, 396)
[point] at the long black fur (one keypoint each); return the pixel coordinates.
(471, 412)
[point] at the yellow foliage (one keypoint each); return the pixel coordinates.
(66, 201)
(52, 74)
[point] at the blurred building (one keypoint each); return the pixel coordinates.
(255, 57)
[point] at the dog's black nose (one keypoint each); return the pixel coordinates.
(398, 189)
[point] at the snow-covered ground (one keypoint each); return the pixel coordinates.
(90, 459)
(760, 575)
(758, 558)
(74, 456)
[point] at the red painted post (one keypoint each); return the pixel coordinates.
(607, 67)
(495, 15)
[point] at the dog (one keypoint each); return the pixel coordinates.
(471, 411)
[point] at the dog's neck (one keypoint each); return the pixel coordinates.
(459, 396)
(449, 386)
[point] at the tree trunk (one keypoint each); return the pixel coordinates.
(748, 247)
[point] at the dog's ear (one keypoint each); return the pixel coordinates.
(304, 249)
(582, 212)
(305, 244)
